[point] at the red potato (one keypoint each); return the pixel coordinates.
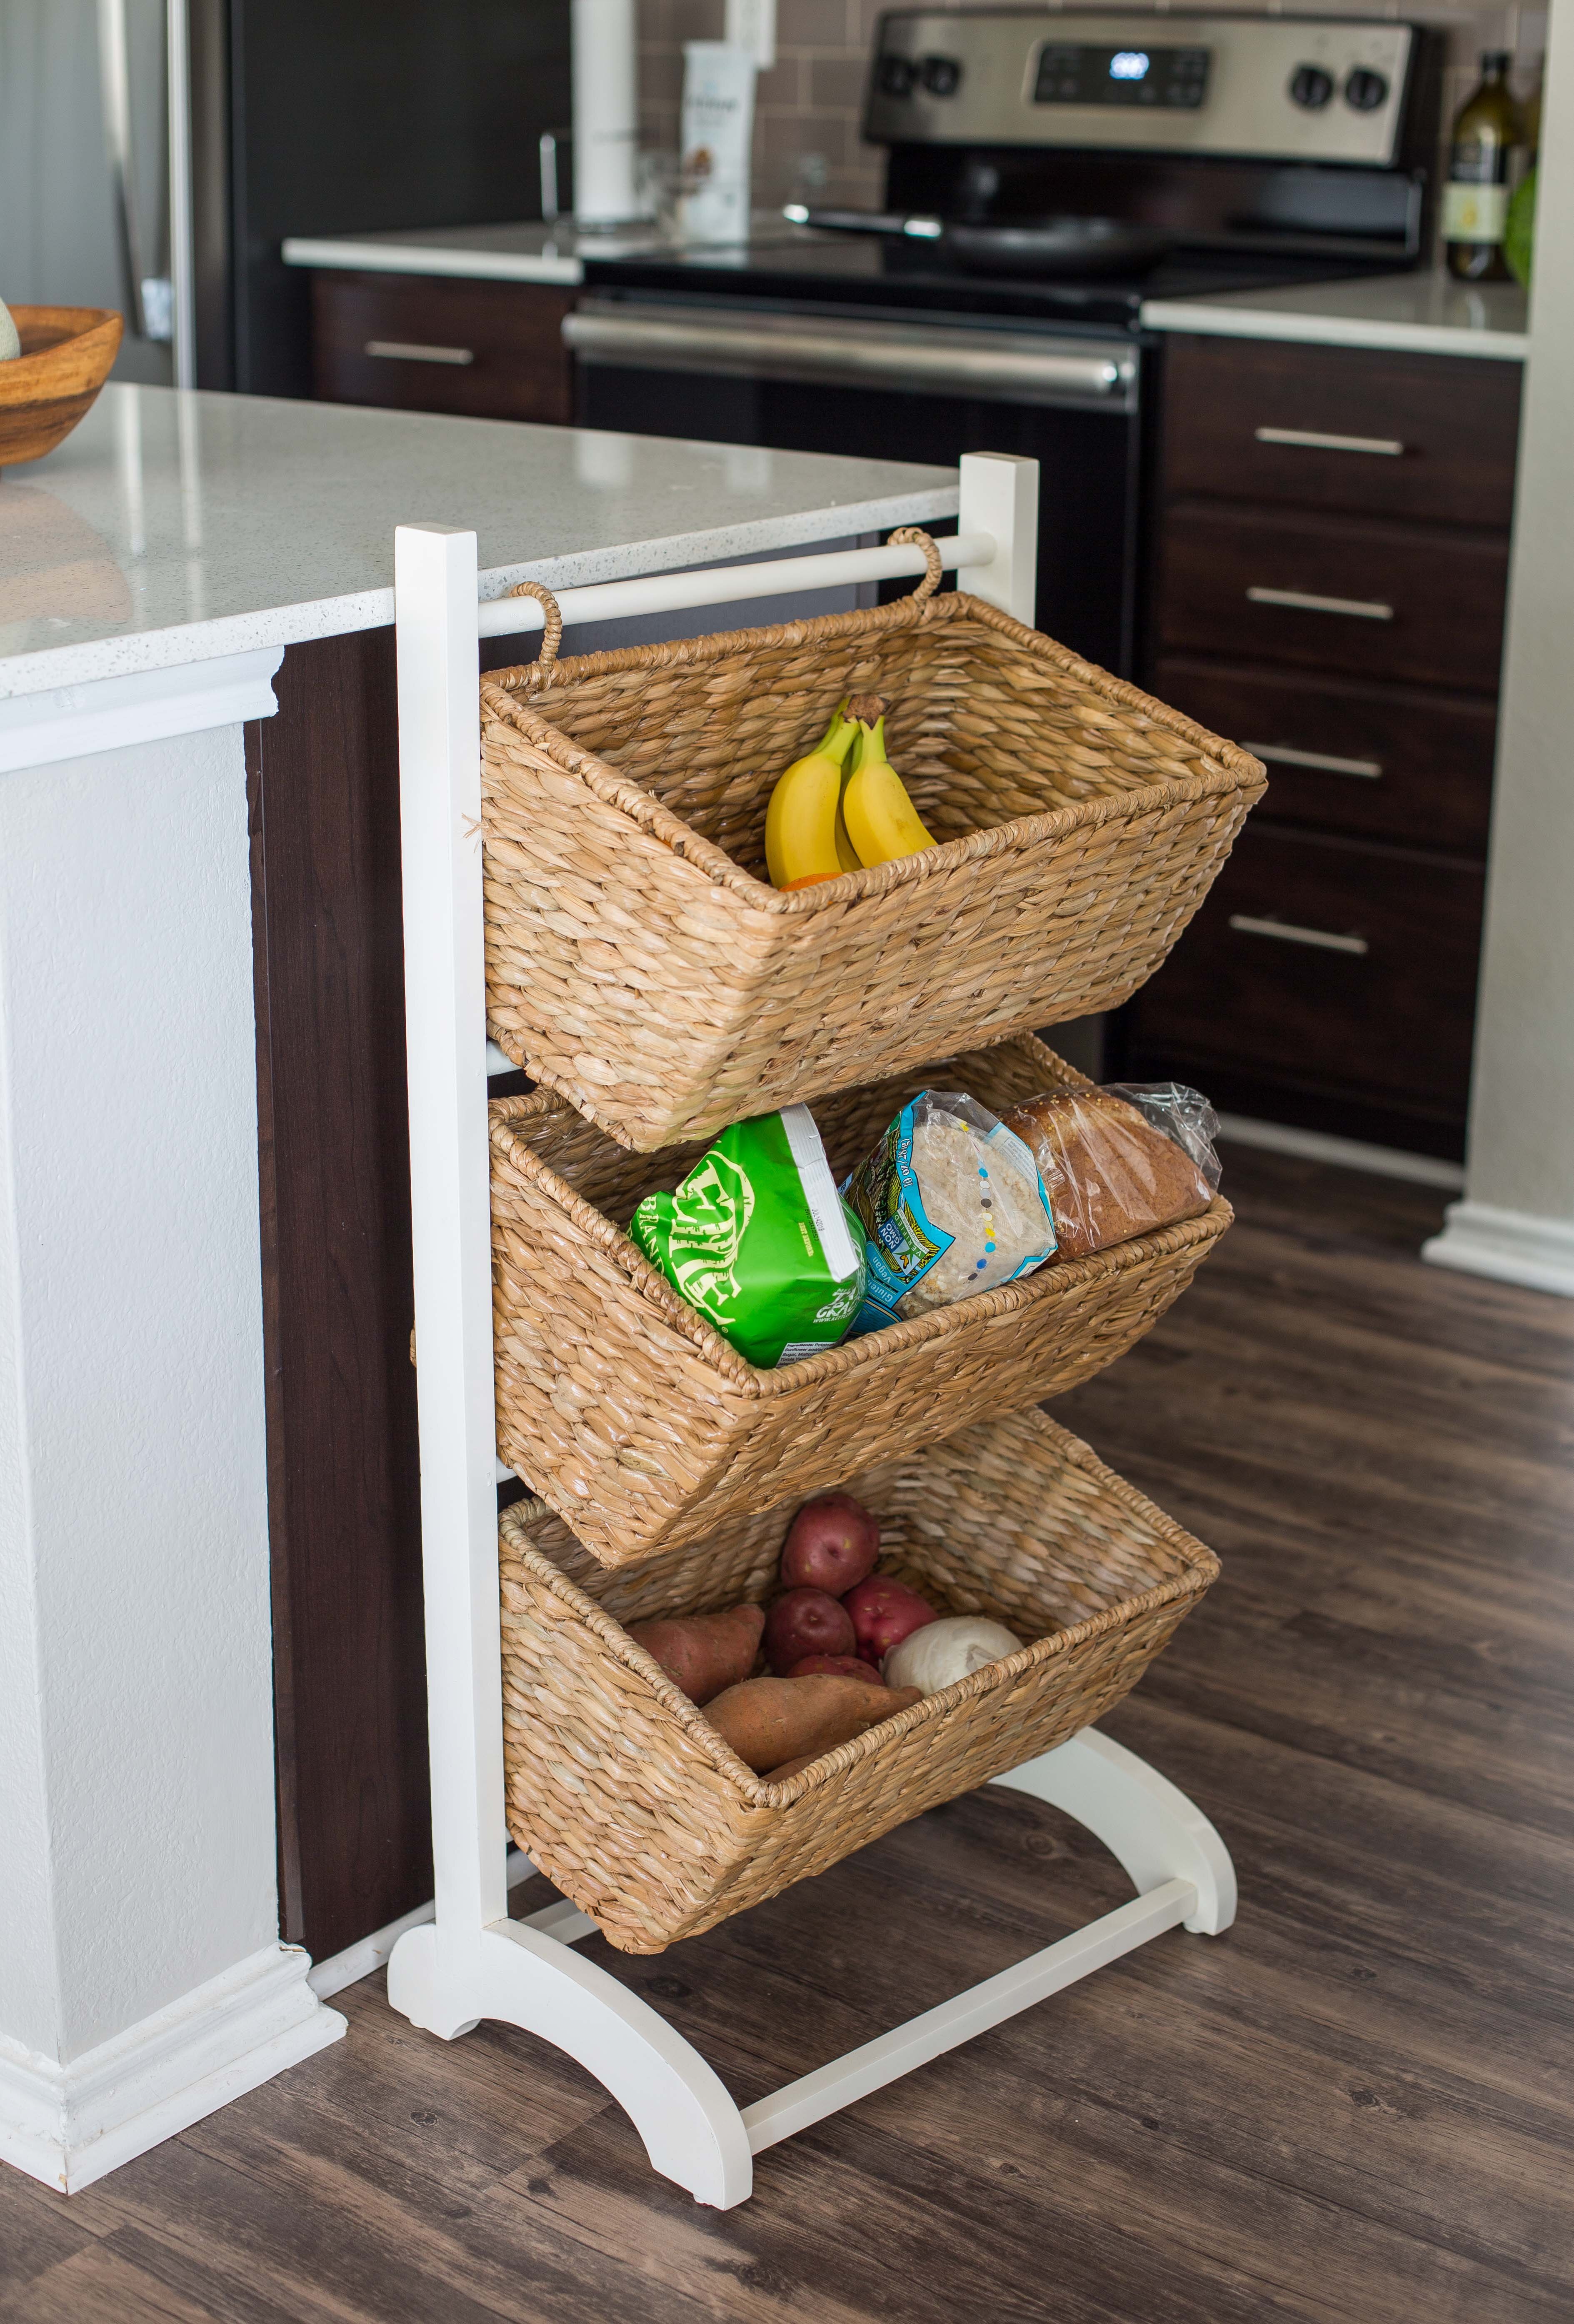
(704, 1652)
(834, 1666)
(770, 1721)
(805, 1622)
(884, 1612)
(831, 1544)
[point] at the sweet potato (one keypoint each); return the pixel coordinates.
(704, 1652)
(769, 1720)
(836, 1665)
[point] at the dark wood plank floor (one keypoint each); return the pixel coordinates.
(1358, 2106)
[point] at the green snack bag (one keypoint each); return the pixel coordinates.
(758, 1240)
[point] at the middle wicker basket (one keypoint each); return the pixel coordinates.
(639, 1425)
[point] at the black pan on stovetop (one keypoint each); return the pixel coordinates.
(1052, 246)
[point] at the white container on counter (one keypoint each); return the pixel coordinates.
(716, 133)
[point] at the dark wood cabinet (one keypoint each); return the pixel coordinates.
(1396, 763)
(431, 343)
(1350, 966)
(1426, 437)
(1339, 594)
(1329, 588)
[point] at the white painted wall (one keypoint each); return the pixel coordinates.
(136, 1687)
(1517, 1219)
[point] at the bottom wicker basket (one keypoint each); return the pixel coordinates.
(619, 1789)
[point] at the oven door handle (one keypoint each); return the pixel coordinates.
(873, 358)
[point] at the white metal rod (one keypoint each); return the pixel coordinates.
(563, 1920)
(847, 2079)
(721, 584)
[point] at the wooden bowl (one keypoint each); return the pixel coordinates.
(65, 359)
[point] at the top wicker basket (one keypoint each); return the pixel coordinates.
(638, 963)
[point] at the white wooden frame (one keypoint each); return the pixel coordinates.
(471, 1960)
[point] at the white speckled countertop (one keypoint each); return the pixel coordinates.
(170, 528)
(491, 254)
(1424, 313)
(481, 253)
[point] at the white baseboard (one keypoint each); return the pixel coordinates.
(1346, 1153)
(1509, 1246)
(358, 1960)
(68, 2124)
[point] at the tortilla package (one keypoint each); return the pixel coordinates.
(950, 1202)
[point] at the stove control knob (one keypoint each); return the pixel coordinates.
(898, 75)
(1310, 87)
(1365, 91)
(941, 76)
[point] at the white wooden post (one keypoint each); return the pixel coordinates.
(445, 1006)
(999, 496)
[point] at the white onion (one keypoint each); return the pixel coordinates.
(10, 344)
(941, 1652)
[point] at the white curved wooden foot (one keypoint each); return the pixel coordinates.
(1147, 1825)
(692, 2130)
(526, 1973)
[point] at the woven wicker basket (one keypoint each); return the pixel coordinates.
(622, 1791)
(638, 962)
(635, 1420)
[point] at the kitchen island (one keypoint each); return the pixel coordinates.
(211, 1653)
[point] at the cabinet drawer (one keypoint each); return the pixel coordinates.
(1409, 767)
(1428, 436)
(485, 350)
(1382, 1006)
(1395, 601)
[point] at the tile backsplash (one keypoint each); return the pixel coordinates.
(808, 105)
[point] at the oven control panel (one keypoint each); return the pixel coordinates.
(1081, 72)
(1261, 87)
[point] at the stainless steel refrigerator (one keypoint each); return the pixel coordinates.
(155, 153)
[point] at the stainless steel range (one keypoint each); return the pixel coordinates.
(1045, 173)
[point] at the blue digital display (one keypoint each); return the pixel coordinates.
(1077, 73)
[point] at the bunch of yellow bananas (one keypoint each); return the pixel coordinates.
(842, 808)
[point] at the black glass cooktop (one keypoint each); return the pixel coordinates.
(848, 271)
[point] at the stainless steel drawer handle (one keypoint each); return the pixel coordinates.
(1280, 754)
(1306, 601)
(1312, 439)
(1286, 932)
(414, 351)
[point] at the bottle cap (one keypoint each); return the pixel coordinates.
(1496, 60)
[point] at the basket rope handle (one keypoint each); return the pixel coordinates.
(913, 536)
(552, 633)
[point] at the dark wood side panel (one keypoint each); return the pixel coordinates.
(1445, 592)
(511, 333)
(1434, 751)
(1457, 420)
(355, 1831)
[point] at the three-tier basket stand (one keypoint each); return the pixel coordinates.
(473, 1960)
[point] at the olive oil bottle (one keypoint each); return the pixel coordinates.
(1483, 166)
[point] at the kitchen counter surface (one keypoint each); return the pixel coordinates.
(481, 254)
(171, 527)
(1420, 313)
(490, 253)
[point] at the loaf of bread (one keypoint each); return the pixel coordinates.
(1108, 1172)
